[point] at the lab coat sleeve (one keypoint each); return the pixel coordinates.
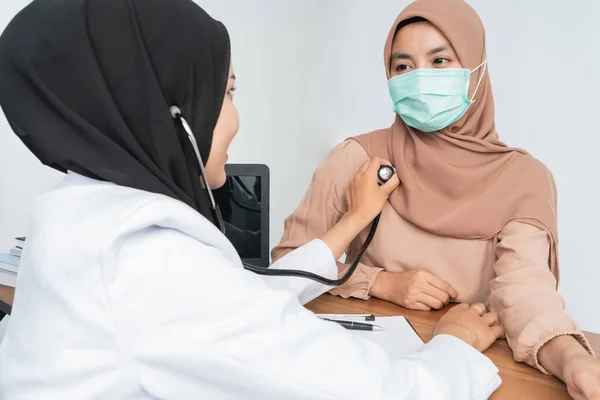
(315, 257)
(194, 324)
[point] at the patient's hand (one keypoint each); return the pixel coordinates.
(566, 358)
(472, 324)
(417, 290)
(582, 376)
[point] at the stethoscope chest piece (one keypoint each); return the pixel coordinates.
(385, 173)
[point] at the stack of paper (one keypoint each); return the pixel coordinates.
(17, 250)
(9, 266)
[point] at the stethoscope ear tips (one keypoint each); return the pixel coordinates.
(175, 112)
(385, 173)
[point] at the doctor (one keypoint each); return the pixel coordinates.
(126, 289)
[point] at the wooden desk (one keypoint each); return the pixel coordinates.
(519, 381)
(6, 299)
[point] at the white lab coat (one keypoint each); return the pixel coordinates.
(124, 294)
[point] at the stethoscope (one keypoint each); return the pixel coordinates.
(384, 173)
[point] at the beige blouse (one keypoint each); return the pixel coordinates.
(509, 273)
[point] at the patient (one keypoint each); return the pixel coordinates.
(473, 219)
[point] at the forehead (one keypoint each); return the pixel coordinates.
(419, 36)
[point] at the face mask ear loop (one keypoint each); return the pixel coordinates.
(484, 64)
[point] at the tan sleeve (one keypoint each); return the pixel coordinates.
(322, 207)
(524, 294)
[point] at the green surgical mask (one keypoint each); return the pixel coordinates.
(432, 99)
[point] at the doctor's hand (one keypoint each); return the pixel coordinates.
(417, 289)
(365, 197)
(365, 201)
(471, 324)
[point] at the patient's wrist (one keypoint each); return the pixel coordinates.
(379, 287)
(556, 355)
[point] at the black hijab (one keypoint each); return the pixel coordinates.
(87, 86)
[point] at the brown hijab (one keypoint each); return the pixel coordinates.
(463, 182)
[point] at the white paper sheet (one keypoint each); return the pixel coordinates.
(398, 338)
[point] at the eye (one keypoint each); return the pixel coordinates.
(441, 60)
(232, 91)
(402, 67)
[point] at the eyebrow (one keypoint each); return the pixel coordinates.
(406, 56)
(401, 56)
(232, 77)
(439, 49)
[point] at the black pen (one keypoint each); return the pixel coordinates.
(356, 326)
(348, 317)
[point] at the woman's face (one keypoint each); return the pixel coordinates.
(225, 130)
(421, 45)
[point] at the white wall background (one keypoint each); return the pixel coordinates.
(310, 73)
